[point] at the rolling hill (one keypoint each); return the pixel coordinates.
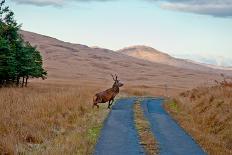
(83, 65)
(153, 55)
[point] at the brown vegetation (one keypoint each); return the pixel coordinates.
(147, 140)
(49, 119)
(75, 63)
(206, 113)
(226, 82)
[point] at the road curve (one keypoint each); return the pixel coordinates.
(119, 136)
(172, 139)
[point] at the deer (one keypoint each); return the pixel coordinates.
(109, 94)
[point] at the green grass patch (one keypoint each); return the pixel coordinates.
(172, 105)
(94, 132)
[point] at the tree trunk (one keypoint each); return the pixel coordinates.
(7, 82)
(26, 81)
(17, 82)
(23, 81)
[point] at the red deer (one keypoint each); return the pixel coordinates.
(109, 94)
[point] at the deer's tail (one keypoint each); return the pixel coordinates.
(95, 98)
(95, 101)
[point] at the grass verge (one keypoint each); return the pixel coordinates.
(49, 119)
(147, 139)
(206, 114)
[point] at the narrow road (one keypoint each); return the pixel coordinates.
(119, 136)
(172, 139)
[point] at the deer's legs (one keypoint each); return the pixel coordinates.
(112, 102)
(95, 104)
(109, 104)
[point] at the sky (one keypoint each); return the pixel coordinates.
(200, 30)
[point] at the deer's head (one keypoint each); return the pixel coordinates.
(117, 82)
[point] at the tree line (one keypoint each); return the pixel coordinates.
(19, 61)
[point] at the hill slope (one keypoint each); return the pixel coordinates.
(80, 64)
(153, 55)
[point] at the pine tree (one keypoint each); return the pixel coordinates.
(32, 64)
(4, 50)
(18, 59)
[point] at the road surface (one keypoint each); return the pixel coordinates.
(172, 139)
(119, 136)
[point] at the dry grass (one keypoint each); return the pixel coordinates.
(136, 92)
(206, 113)
(49, 119)
(146, 137)
(144, 91)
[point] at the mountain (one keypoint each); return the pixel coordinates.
(153, 55)
(218, 61)
(83, 65)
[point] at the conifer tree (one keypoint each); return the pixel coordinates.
(19, 61)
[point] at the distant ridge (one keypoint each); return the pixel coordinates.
(153, 55)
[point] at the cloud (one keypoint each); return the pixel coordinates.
(218, 8)
(50, 2)
(40, 2)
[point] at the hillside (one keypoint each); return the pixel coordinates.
(153, 55)
(80, 64)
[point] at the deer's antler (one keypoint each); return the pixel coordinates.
(113, 77)
(116, 77)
